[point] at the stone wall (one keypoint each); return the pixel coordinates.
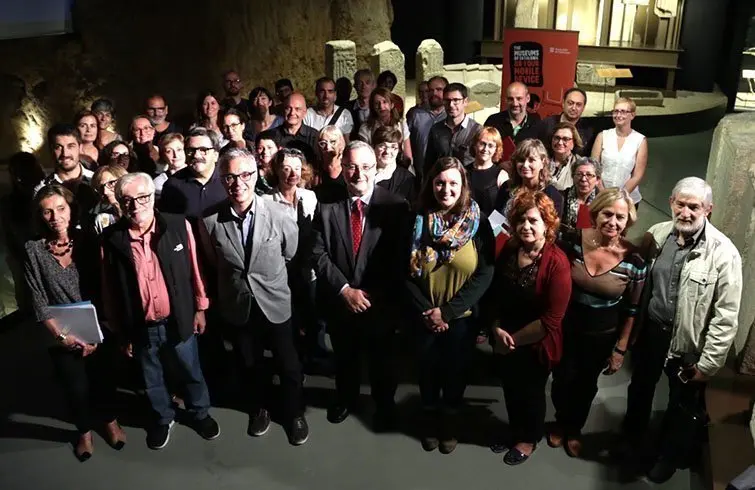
(731, 174)
(127, 49)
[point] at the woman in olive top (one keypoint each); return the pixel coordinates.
(607, 276)
(530, 292)
(450, 268)
(61, 268)
(531, 172)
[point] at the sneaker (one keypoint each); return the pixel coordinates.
(259, 423)
(159, 435)
(298, 432)
(207, 428)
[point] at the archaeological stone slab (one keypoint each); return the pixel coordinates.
(388, 56)
(340, 59)
(429, 60)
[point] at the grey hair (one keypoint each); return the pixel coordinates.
(202, 131)
(580, 161)
(357, 145)
(128, 178)
(694, 186)
(233, 154)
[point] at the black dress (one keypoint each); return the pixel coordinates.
(401, 183)
(484, 184)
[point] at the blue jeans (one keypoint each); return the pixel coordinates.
(443, 359)
(186, 353)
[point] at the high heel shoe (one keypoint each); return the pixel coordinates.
(116, 436)
(84, 447)
(516, 457)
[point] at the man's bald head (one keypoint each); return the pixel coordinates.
(294, 109)
(517, 98)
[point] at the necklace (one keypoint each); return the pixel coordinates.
(54, 247)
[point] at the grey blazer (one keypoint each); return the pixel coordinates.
(263, 278)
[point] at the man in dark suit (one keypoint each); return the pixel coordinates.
(250, 240)
(514, 122)
(359, 257)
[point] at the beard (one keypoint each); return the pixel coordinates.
(686, 228)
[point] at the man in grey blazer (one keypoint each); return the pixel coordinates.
(249, 240)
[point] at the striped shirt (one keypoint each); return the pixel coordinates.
(622, 285)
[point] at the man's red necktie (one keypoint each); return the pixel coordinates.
(356, 225)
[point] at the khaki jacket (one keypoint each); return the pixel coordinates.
(710, 290)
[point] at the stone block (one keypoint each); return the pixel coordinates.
(388, 56)
(526, 13)
(587, 75)
(642, 97)
(455, 73)
(429, 60)
(487, 93)
(731, 174)
(340, 59)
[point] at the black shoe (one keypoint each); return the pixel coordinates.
(159, 435)
(338, 413)
(516, 457)
(259, 423)
(429, 430)
(298, 431)
(384, 420)
(662, 471)
(207, 428)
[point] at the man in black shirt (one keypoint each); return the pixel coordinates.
(575, 100)
(293, 132)
(514, 122)
(232, 86)
(157, 111)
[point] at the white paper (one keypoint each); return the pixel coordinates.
(498, 223)
(79, 319)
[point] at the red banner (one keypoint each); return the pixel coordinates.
(544, 60)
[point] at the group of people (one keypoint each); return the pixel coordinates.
(266, 227)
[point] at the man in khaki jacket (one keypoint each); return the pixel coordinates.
(689, 321)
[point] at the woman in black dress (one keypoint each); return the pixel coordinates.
(386, 141)
(485, 175)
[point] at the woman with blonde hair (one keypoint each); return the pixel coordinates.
(608, 275)
(486, 175)
(107, 210)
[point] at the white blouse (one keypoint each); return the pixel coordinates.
(618, 165)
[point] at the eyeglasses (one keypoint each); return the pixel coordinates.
(562, 139)
(117, 154)
(584, 175)
(456, 100)
(226, 127)
(326, 143)
(621, 112)
(233, 82)
(128, 201)
(229, 179)
(387, 146)
(110, 185)
(199, 149)
(362, 168)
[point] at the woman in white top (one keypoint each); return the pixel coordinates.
(288, 186)
(622, 151)
(172, 159)
(384, 113)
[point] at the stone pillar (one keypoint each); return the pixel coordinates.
(388, 56)
(429, 60)
(731, 174)
(340, 59)
(526, 13)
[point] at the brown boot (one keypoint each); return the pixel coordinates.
(429, 427)
(556, 436)
(84, 447)
(448, 432)
(573, 446)
(116, 436)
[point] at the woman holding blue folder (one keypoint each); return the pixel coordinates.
(59, 270)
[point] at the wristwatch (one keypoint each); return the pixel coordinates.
(61, 337)
(619, 351)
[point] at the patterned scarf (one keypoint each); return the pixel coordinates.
(572, 206)
(446, 238)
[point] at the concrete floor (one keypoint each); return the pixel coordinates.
(35, 452)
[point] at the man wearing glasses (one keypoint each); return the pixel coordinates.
(575, 100)
(232, 85)
(159, 303)
(157, 111)
(452, 137)
(249, 241)
(196, 188)
(142, 137)
(359, 258)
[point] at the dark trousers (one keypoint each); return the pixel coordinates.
(305, 319)
(443, 359)
(523, 377)
(685, 413)
(575, 379)
(88, 384)
(353, 336)
(251, 341)
(151, 352)
(648, 359)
